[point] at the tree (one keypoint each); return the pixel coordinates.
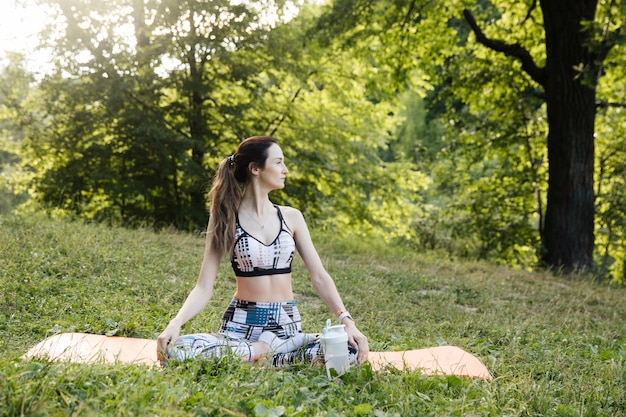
(143, 94)
(574, 60)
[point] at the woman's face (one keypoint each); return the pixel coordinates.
(275, 171)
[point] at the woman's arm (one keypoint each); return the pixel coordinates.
(321, 280)
(196, 300)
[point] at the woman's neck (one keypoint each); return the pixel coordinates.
(257, 203)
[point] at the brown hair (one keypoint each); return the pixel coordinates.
(226, 192)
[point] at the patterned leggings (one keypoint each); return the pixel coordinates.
(242, 324)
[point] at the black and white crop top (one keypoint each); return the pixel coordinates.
(253, 258)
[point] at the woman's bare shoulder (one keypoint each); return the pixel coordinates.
(288, 210)
(292, 215)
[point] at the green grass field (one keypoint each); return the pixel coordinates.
(555, 346)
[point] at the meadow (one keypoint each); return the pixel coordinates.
(555, 345)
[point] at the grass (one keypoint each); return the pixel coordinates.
(556, 346)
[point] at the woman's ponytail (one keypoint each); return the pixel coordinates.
(225, 196)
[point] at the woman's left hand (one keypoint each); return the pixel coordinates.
(357, 339)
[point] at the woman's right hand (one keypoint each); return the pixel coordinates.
(169, 335)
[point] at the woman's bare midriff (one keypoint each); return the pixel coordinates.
(265, 289)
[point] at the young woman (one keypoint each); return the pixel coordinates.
(262, 320)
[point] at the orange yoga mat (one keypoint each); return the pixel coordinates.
(92, 348)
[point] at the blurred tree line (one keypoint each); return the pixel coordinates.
(490, 129)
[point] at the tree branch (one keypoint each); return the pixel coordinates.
(514, 50)
(530, 11)
(278, 120)
(610, 40)
(607, 104)
(407, 16)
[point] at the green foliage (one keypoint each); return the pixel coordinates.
(610, 170)
(490, 167)
(555, 346)
(333, 139)
(129, 126)
(419, 138)
(15, 94)
(497, 180)
(486, 158)
(611, 201)
(507, 132)
(132, 134)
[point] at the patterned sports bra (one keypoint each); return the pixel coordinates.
(253, 258)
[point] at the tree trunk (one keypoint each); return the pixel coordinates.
(568, 235)
(197, 131)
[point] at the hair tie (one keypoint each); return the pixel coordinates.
(231, 160)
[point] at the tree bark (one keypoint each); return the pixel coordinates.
(571, 74)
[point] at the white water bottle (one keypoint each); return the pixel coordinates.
(335, 348)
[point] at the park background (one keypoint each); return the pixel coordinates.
(478, 147)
